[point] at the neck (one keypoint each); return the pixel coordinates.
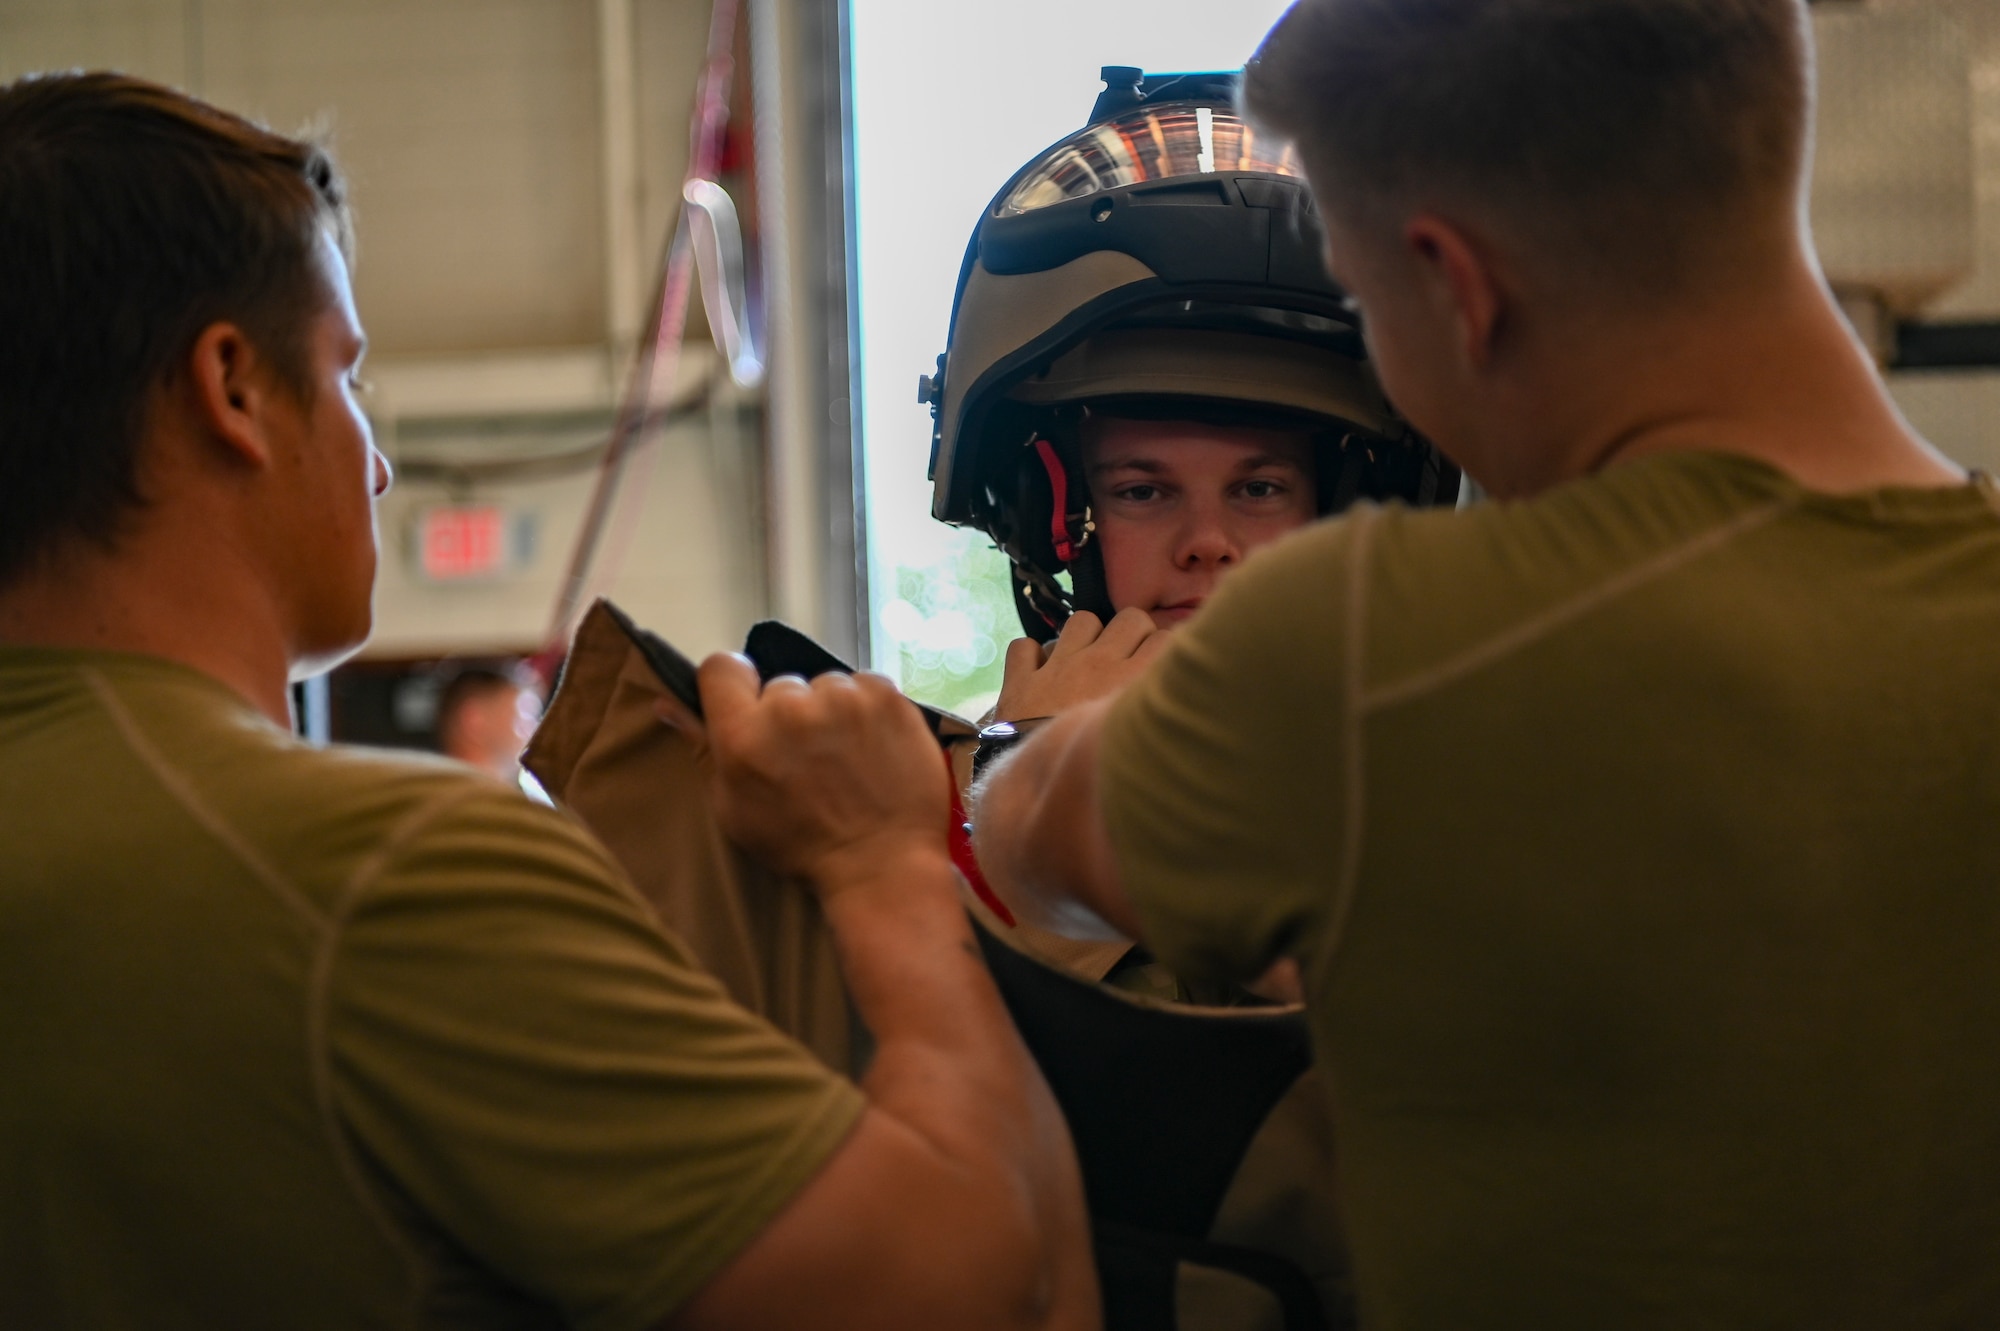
(1771, 372)
(165, 594)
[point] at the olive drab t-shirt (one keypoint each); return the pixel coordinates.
(329, 1038)
(1641, 847)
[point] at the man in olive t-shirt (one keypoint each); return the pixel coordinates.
(395, 1045)
(1645, 891)
(1634, 834)
(310, 1038)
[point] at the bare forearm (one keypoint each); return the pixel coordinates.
(916, 977)
(950, 1070)
(1041, 838)
(955, 1201)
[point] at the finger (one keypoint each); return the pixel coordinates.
(729, 688)
(1081, 630)
(881, 696)
(878, 694)
(875, 683)
(1154, 646)
(1024, 658)
(833, 682)
(780, 686)
(1126, 631)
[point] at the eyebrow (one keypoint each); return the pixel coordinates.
(1271, 460)
(1152, 467)
(1146, 465)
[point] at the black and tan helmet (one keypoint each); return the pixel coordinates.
(1160, 262)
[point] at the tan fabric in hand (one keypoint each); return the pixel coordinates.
(603, 754)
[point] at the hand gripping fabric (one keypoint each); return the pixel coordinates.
(603, 754)
(1200, 1131)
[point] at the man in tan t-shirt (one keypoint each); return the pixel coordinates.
(1633, 833)
(330, 1038)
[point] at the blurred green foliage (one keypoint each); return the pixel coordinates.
(951, 620)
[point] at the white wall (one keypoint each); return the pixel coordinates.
(689, 570)
(1959, 410)
(471, 131)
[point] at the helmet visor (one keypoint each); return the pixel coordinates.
(1147, 143)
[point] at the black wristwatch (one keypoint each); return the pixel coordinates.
(999, 737)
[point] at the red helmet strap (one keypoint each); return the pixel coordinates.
(1059, 488)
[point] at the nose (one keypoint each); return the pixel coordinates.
(1207, 541)
(382, 474)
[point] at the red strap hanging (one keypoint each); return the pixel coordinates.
(959, 838)
(1059, 485)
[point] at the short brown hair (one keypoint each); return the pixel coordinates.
(132, 217)
(1611, 128)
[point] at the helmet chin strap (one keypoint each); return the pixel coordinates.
(1060, 518)
(1070, 533)
(1086, 575)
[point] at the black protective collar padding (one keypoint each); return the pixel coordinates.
(1086, 578)
(1164, 1105)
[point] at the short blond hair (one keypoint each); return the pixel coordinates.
(1618, 133)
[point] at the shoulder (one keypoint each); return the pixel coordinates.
(1378, 591)
(1440, 581)
(340, 820)
(419, 823)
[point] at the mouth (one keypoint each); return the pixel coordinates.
(1178, 611)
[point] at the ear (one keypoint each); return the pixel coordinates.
(230, 388)
(1460, 270)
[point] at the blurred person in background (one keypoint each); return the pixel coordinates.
(486, 715)
(327, 1037)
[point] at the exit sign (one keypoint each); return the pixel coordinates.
(466, 542)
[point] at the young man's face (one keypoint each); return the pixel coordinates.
(1180, 503)
(326, 482)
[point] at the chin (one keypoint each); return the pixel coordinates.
(325, 650)
(315, 663)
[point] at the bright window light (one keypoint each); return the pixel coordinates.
(949, 100)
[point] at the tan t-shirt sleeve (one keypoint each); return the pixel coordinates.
(547, 1076)
(1224, 775)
